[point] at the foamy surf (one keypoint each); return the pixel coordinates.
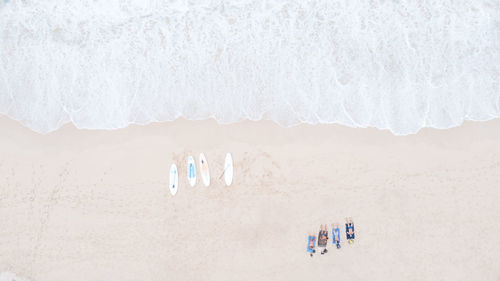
(9, 276)
(394, 65)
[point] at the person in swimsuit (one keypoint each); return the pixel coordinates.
(323, 238)
(336, 235)
(349, 230)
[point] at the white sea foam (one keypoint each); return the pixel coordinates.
(9, 276)
(397, 65)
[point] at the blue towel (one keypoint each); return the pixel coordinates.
(333, 234)
(347, 227)
(309, 242)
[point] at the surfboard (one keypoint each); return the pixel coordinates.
(191, 171)
(204, 171)
(174, 179)
(228, 169)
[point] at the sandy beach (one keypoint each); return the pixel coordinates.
(95, 205)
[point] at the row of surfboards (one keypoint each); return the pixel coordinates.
(204, 172)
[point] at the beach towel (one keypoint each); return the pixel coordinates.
(336, 233)
(322, 238)
(309, 242)
(347, 227)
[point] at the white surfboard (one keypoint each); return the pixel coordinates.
(204, 171)
(191, 171)
(228, 169)
(174, 179)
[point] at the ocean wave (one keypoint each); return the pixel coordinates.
(395, 65)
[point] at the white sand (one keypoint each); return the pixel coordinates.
(94, 205)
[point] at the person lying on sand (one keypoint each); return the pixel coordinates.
(323, 238)
(349, 229)
(311, 244)
(336, 235)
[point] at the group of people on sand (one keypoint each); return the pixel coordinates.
(323, 237)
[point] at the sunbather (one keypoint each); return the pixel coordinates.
(311, 244)
(323, 238)
(349, 229)
(336, 235)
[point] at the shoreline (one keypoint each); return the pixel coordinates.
(261, 120)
